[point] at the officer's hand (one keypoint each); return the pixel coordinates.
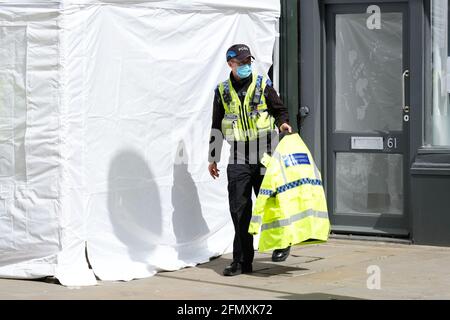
(213, 171)
(285, 128)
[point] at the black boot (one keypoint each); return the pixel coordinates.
(236, 268)
(279, 255)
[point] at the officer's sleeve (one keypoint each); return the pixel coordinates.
(216, 135)
(275, 106)
(264, 199)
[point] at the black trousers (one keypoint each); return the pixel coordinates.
(242, 179)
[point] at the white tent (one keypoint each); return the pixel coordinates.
(105, 110)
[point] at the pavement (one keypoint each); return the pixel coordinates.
(339, 269)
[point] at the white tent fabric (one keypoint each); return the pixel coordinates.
(105, 110)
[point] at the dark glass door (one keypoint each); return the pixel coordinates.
(367, 117)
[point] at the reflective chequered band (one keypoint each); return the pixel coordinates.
(259, 81)
(290, 185)
(294, 184)
(266, 192)
(294, 218)
(226, 87)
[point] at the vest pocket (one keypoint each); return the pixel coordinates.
(230, 128)
(263, 121)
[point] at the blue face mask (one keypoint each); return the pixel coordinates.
(244, 71)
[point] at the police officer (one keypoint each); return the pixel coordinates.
(246, 109)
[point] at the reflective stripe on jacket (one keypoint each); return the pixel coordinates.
(291, 207)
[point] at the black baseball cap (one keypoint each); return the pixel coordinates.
(239, 52)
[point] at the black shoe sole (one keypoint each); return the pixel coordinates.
(279, 260)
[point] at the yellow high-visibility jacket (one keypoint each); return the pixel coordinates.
(291, 207)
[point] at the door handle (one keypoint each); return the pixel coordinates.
(404, 106)
(304, 111)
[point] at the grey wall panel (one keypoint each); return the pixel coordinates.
(431, 203)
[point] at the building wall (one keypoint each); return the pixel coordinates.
(302, 85)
